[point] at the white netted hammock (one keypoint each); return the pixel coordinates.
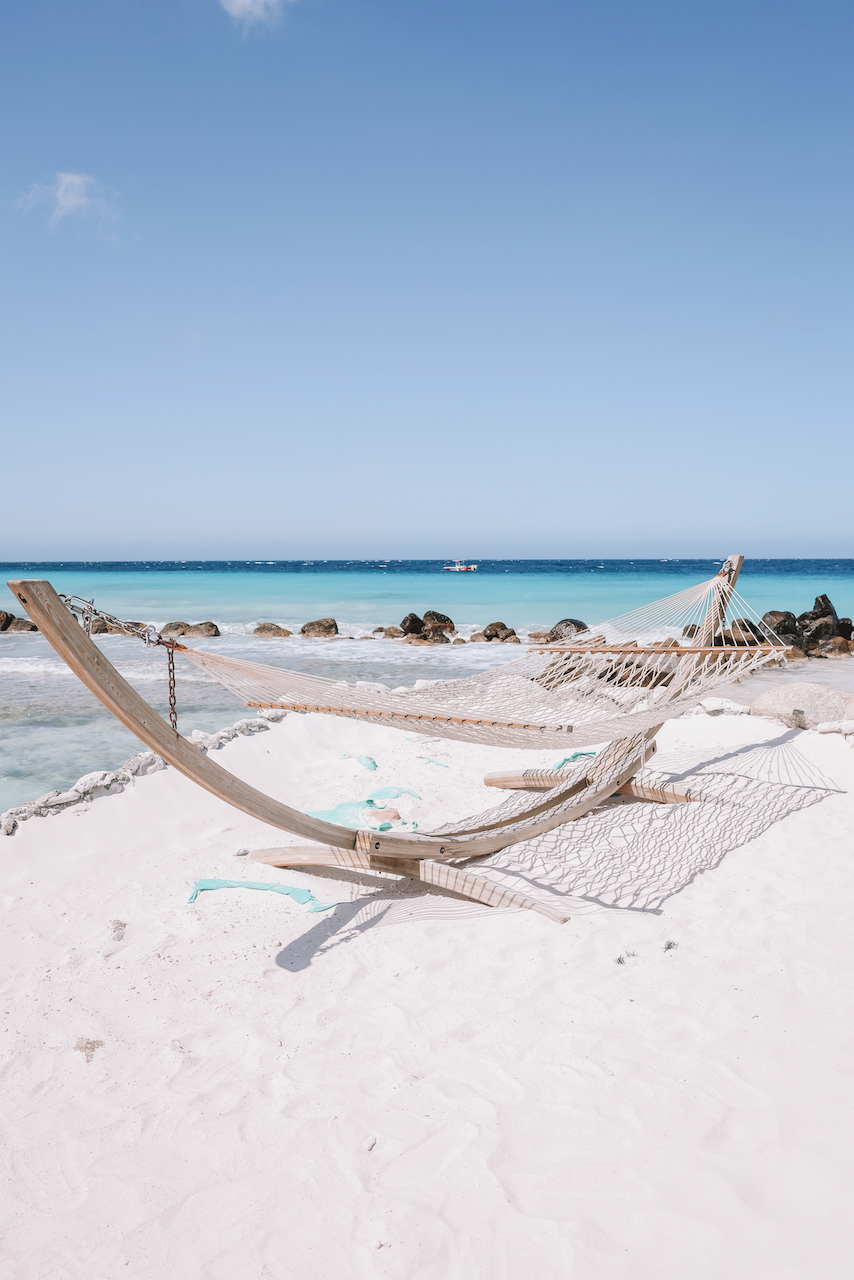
(620, 677)
(617, 683)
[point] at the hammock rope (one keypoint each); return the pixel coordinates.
(623, 676)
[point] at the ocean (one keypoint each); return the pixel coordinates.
(52, 730)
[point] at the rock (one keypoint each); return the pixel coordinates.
(733, 637)
(780, 622)
(820, 628)
(498, 631)
(435, 635)
(802, 705)
(322, 628)
(420, 640)
(379, 630)
(832, 647)
(511, 639)
(565, 629)
(174, 628)
(538, 637)
(433, 619)
(459, 640)
(5, 619)
(367, 637)
(479, 638)
(747, 629)
(21, 624)
(837, 726)
(202, 629)
(271, 629)
(392, 633)
(844, 628)
(821, 609)
(113, 630)
(412, 625)
(98, 627)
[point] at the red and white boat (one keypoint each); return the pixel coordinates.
(459, 566)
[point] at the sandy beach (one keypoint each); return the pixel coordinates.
(409, 1084)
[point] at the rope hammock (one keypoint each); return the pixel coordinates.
(617, 684)
(622, 677)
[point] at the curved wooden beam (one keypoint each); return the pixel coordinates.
(99, 675)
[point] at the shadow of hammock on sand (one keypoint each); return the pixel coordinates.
(626, 855)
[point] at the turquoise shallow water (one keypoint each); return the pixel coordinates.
(52, 730)
(531, 593)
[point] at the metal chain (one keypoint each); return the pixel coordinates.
(87, 611)
(173, 710)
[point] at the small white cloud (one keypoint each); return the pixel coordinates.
(254, 10)
(74, 195)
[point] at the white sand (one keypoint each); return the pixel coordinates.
(430, 1090)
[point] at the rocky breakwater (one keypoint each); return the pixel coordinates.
(818, 633)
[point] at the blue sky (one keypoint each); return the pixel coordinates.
(341, 278)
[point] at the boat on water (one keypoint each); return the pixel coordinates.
(459, 566)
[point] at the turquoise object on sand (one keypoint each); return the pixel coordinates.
(367, 762)
(393, 793)
(351, 813)
(299, 895)
(576, 755)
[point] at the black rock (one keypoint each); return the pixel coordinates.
(781, 622)
(21, 624)
(821, 609)
(434, 619)
(174, 628)
(412, 625)
(495, 629)
(566, 629)
(844, 628)
(5, 619)
(821, 628)
(435, 635)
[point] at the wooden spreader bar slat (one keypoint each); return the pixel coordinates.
(681, 652)
(408, 715)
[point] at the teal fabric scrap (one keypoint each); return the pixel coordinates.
(367, 762)
(439, 763)
(351, 813)
(299, 895)
(576, 755)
